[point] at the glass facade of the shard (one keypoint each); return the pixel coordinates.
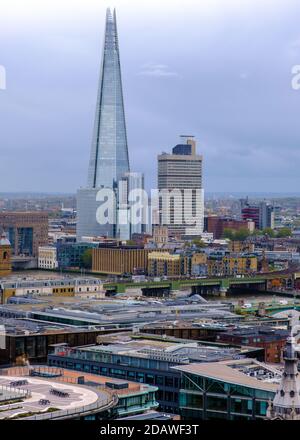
(109, 152)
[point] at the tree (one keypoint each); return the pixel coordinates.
(269, 232)
(284, 232)
(241, 234)
(86, 259)
(228, 233)
(256, 232)
(130, 242)
(198, 242)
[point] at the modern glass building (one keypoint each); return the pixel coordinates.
(69, 255)
(236, 390)
(109, 153)
(109, 159)
(132, 205)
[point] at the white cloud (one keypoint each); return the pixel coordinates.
(156, 70)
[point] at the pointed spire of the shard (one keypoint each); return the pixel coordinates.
(109, 153)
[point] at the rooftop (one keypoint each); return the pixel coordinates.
(155, 347)
(85, 392)
(265, 333)
(236, 374)
(75, 398)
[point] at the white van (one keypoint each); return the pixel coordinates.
(247, 306)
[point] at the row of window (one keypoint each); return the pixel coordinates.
(71, 289)
(148, 378)
(224, 404)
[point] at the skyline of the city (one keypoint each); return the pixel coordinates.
(251, 124)
(149, 214)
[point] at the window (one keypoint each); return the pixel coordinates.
(243, 406)
(261, 408)
(140, 377)
(150, 379)
(216, 403)
(159, 380)
(169, 381)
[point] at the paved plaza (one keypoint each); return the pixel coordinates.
(71, 398)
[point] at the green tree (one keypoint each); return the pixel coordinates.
(269, 232)
(86, 259)
(228, 233)
(284, 232)
(130, 242)
(241, 234)
(257, 232)
(198, 242)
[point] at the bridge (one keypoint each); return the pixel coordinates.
(269, 309)
(203, 286)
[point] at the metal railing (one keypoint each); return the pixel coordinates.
(101, 404)
(14, 392)
(106, 399)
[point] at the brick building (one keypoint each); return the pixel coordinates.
(272, 340)
(230, 265)
(26, 231)
(165, 264)
(121, 260)
(217, 225)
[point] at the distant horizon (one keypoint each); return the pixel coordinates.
(236, 194)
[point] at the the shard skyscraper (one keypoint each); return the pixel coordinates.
(109, 160)
(109, 152)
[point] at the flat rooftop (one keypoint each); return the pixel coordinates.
(28, 327)
(27, 282)
(265, 333)
(77, 398)
(94, 390)
(154, 347)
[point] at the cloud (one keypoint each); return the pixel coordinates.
(156, 70)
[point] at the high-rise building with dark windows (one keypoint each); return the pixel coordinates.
(262, 214)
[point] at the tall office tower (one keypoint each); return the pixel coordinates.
(266, 215)
(137, 205)
(181, 199)
(132, 207)
(109, 152)
(251, 213)
(262, 214)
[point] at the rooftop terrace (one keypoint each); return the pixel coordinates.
(47, 399)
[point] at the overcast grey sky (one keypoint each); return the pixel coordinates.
(217, 69)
